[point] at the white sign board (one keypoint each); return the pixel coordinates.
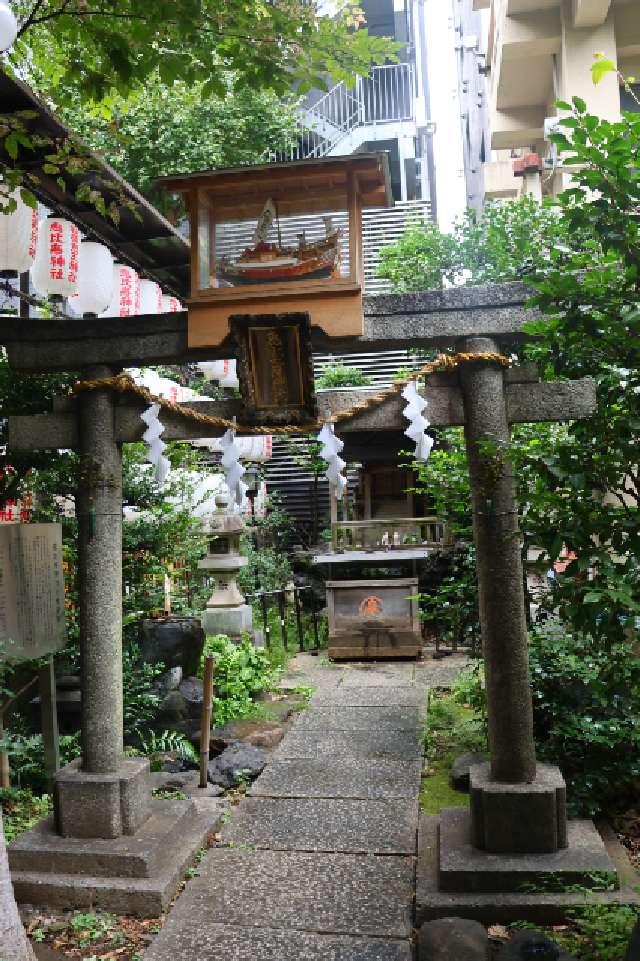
(32, 620)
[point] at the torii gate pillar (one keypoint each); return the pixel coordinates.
(516, 806)
(102, 794)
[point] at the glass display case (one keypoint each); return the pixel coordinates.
(280, 238)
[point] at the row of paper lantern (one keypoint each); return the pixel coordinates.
(82, 271)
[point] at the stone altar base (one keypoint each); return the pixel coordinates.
(109, 844)
(374, 645)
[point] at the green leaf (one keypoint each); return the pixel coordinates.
(600, 69)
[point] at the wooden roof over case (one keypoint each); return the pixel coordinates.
(297, 187)
(142, 238)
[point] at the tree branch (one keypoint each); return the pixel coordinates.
(31, 19)
(111, 15)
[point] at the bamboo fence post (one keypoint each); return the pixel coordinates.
(205, 724)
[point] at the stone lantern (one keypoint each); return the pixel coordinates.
(226, 611)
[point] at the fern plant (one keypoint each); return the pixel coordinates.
(154, 745)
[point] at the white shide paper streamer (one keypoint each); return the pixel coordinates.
(153, 440)
(233, 469)
(418, 423)
(331, 448)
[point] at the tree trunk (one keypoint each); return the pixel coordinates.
(14, 945)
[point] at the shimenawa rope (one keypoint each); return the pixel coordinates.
(124, 384)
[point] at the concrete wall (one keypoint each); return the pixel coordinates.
(468, 25)
(540, 51)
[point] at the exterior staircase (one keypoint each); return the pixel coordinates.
(346, 117)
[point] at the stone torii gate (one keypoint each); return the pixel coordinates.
(518, 807)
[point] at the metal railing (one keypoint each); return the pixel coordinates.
(394, 534)
(387, 95)
(290, 611)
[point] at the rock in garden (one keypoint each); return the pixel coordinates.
(532, 946)
(453, 938)
(266, 734)
(173, 708)
(173, 641)
(237, 763)
(171, 679)
(191, 690)
(459, 775)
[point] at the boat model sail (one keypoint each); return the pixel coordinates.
(266, 262)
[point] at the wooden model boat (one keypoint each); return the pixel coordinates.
(266, 262)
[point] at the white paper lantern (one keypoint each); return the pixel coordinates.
(8, 26)
(171, 305)
(151, 299)
(126, 293)
(96, 279)
(222, 371)
(55, 270)
(18, 234)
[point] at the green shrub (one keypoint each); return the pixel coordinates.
(596, 932)
(604, 931)
(26, 757)
(21, 810)
(468, 688)
(586, 705)
(339, 375)
(452, 729)
(140, 701)
(242, 671)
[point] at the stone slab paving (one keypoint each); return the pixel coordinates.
(325, 824)
(227, 943)
(380, 695)
(355, 744)
(376, 778)
(320, 717)
(441, 673)
(336, 894)
(318, 861)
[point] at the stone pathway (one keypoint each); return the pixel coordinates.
(320, 856)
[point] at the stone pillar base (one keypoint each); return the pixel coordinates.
(518, 818)
(102, 805)
(233, 621)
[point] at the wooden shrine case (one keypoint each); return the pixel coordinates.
(280, 238)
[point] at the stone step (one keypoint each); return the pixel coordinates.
(193, 939)
(335, 824)
(465, 868)
(363, 778)
(131, 856)
(555, 907)
(144, 897)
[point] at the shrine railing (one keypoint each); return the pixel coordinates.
(394, 534)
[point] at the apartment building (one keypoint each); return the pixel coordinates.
(541, 51)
